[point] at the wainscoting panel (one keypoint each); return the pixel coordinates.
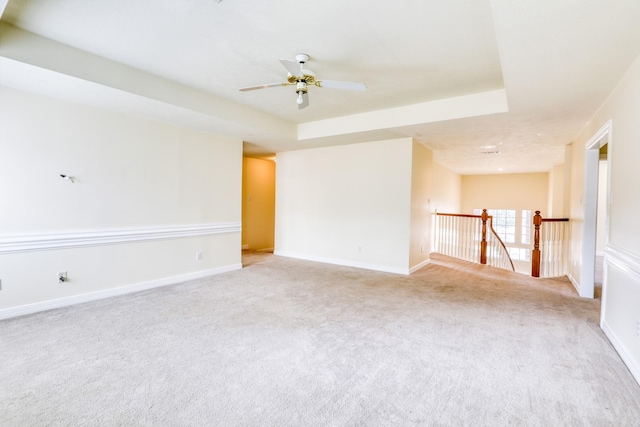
(623, 260)
(621, 305)
(109, 262)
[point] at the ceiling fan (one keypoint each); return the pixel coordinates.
(302, 78)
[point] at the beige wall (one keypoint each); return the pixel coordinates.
(524, 191)
(258, 203)
(132, 175)
(568, 176)
(347, 204)
(556, 192)
(446, 190)
(421, 185)
(505, 191)
(621, 291)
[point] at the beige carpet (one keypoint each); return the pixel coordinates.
(286, 342)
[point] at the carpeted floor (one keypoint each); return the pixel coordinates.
(286, 342)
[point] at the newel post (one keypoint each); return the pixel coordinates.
(483, 242)
(535, 255)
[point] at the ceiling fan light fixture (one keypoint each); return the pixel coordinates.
(301, 78)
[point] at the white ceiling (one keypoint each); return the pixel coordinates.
(423, 61)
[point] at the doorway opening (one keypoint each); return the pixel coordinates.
(601, 219)
(258, 204)
(597, 147)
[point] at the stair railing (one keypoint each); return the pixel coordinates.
(550, 255)
(498, 253)
(467, 237)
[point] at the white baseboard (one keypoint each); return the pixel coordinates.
(419, 266)
(21, 310)
(344, 262)
(633, 365)
(246, 248)
(574, 282)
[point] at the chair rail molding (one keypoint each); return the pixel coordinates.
(84, 238)
(623, 260)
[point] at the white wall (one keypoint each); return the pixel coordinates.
(621, 288)
(346, 205)
(137, 181)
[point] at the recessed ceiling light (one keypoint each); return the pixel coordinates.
(500, 169)
(484, 147)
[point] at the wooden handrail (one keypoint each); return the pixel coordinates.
(484, 243)
(461, 215)
(536, 255)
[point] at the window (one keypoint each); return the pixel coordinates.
(519, 254)
(504, 222)
(506, 225)
(526, 227)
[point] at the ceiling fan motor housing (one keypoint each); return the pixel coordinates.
(307, 77)
(301, 86)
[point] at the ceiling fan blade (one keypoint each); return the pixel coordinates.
(342, 85)
(245, 89)
(292, 67)
(305, 101)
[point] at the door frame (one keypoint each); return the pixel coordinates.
(590, 209)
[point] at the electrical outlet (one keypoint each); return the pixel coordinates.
(638, 328)
(199, 256)
(62, 277)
